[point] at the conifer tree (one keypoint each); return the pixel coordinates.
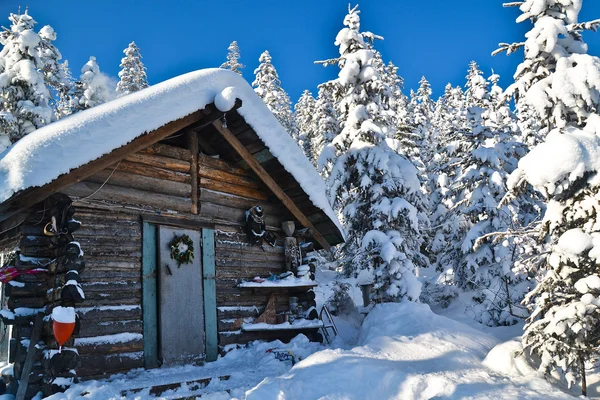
(92, 88)
(371, 184)
(23, 92)
(66, 104)
(556, 81)
(56, 74)
(133, 72)
(327, 128)
(233, 56)
(422, 108)
(268, 87)
(304, 115)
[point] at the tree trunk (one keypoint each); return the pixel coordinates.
(583, 380)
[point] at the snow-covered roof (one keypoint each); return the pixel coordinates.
(45, 154)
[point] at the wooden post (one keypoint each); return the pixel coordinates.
(35, 337)
(270, 182)
(210, 294)
(192, 139)
(149, 288)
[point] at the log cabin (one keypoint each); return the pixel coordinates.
(151, 215)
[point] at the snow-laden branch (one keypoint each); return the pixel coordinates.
(509, 48)
(585, 26)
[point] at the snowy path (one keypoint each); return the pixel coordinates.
(406, 352)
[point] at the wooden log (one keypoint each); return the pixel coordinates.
(166, 150)
(234, 201)
(130, 196)
(148, 184)
(235, 214)
(243, 191)
(222, 176)
(227, 262)
(229, 244)
(26, 289)
(89, 346)
(97, 364)
(242, 255)
(153, 172)
(111, 286)
(192, 139)
(221, 165)
(99, 328)
(168, 163)
(104, 314)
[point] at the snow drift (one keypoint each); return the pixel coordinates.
(406, 352)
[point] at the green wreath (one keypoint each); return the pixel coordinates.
(182, 249)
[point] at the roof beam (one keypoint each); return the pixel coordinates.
(270, 182)
(29, 197)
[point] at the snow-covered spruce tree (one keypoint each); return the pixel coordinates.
(563, 330)
(449, 148)
(24, 96)
(66, 104)
(304, 115)
(92, 87)
(233, 56)
(371, 184)
(556, 33)
(327, 128)
(421, 108)
(268, 87)
(133, 72)
(57, 74)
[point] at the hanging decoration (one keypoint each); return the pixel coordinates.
(255, 224)
(182, 249)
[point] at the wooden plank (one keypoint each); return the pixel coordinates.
(192, 138)
(210, 294)
(149, 302)
(271, 184)
(29, 197)
(35, 337)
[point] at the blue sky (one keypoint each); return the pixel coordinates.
(435, 38)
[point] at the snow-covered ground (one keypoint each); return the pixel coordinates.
(403, 351)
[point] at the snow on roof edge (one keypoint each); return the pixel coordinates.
(45, 154)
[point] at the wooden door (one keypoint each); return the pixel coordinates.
(180, 301)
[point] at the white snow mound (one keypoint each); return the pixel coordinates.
(56, 149)
(407, 352)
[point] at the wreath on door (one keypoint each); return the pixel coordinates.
(182, 249)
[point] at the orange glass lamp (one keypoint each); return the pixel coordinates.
(63, 324)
